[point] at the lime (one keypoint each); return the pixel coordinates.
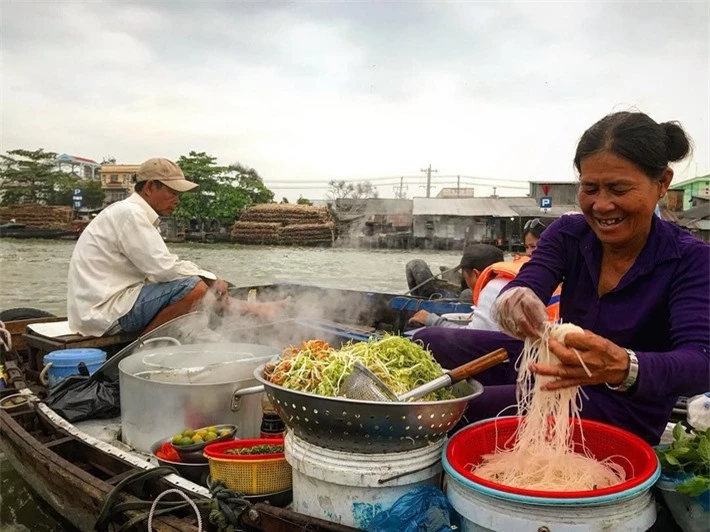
(185, 441)
(188, 433)
(196, 439)
(177, 438)
(211, 436)
(224, 432)
(212, 429)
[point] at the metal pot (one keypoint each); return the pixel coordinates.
(167, 389)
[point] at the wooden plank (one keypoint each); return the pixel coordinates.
(19, 327)
(46, 344)
(74, 493)
(58, 442)
(267, 518)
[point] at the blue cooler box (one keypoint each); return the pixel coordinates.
(65, 362)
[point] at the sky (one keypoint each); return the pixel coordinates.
(305, 92)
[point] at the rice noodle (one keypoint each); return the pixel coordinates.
(544, 456)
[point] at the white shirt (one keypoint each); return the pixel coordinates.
(119, 252)
(482, 320)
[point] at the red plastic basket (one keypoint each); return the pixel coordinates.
(638, 459)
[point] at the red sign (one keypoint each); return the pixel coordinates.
(546, 189)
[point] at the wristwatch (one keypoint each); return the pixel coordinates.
(631, 375)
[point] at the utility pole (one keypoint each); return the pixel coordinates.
(428, 179)
(399, 191)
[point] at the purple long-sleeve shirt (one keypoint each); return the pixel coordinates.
(660, 309)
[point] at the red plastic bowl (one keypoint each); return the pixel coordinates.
(216, 450)
(467, 447)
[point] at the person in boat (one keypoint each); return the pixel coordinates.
(532, 231)
(488, 285)
(638, 285)
(122, 275)
(476, 258)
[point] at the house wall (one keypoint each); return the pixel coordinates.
(697, 188)
(455, 228)
(117, 181)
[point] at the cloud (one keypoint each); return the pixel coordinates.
(314, 91)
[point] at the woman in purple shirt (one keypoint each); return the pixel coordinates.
(639, 286)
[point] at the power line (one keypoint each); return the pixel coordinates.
(387, 178)
(324, 187)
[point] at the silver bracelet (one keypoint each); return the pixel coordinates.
(631, 375)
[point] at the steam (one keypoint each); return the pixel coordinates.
(308, 313)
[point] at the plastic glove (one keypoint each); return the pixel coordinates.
(519, 312)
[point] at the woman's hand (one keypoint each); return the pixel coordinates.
(520, 313)
(607, 362)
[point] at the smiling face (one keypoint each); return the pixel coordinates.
(618, 199)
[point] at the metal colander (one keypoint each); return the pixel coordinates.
(348, 425)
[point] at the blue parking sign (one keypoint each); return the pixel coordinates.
(77, 192)
(546, 202)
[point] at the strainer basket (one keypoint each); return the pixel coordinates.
(368, 427)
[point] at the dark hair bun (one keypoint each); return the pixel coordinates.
(677, 141)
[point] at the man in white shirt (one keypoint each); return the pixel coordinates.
(122, 275)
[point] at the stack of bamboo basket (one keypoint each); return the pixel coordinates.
(284, 224)
(37, 216)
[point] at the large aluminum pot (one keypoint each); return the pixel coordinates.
(167, 389)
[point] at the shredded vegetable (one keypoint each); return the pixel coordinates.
(318, 368)
(257, 449)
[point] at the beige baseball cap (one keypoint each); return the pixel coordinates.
(165, 171)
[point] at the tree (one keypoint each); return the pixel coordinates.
(303, 201)
(223, 190)
(343, 190)
(93, 194)
(31, 176)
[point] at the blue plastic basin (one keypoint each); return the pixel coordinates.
(65, 362)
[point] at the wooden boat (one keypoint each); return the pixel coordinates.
(75, 468)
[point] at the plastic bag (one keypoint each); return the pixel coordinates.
(80, 397)
(699, 411)
(424, 509)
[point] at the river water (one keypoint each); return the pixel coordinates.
(33, 273)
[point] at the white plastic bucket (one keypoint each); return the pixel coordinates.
(687, 511)
(351, 488)
(483, 513)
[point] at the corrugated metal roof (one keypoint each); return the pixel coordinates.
(696, 213)
(372, 206)
(494, 207)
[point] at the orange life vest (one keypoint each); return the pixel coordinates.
(509, 270)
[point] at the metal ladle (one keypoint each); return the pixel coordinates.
(363, 385)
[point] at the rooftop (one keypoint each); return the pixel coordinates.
(495, 207)
(683, 184)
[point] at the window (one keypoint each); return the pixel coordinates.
(114, 178)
